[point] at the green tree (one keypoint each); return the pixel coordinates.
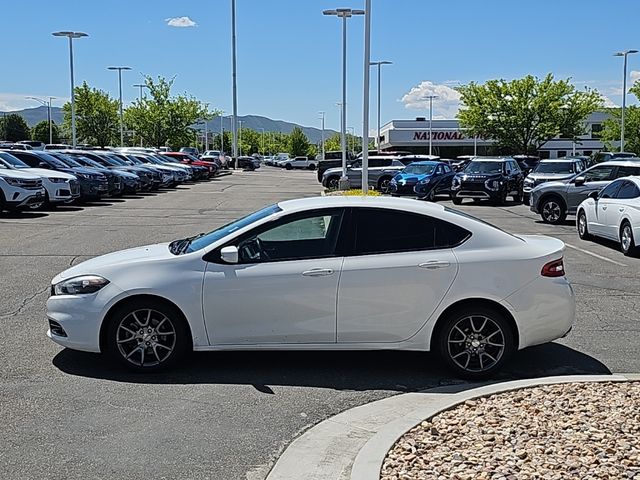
(13, 128)
(523, 114)
(298, 142)
(610, 134)
(97, 120)
(40, 132)
(161, 119)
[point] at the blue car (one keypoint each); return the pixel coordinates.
(425, 179)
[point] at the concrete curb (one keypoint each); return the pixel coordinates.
(353, 444)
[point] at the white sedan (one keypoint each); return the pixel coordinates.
(328, 273)
(613, 213)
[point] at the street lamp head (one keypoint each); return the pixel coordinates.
(381, 62)
(329, 12)
(118, 68)
(343, 12)
(624, 53)
(70, 34)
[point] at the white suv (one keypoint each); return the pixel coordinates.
(19, 189)
(60, 187)
(300, 162)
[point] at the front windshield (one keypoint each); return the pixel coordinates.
(484, 167)
(67, 160)
(417, 169)
(555, 167)
(204, 240)
(52, 160)
(12, 161)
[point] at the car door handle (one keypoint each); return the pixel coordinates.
(434, 264)
(604, 207)
(318, 272)
(621, 209)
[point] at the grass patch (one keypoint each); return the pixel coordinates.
(352, 193)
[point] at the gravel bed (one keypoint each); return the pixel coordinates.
(567, 431)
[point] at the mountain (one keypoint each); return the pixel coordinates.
(254, 122)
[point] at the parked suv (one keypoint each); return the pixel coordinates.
(601, 157)
(553, 201)
(191, 151)
(381, 171)
(488, 178)
(19, 190)
(550, 170)
(300, 162)
(59, 187)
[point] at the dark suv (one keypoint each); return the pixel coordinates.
(488, 178)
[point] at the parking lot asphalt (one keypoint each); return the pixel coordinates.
(226, 415)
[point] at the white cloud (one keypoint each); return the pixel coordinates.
(180, 22)
(635, 76)
(10, 102)
(444, 107)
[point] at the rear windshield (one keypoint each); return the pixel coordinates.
(555, 167)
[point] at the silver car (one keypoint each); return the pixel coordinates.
(553, 201)
(551, 170)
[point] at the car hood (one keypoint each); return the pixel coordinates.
(411, 177)
(549, 176)
(43, 172)
(10, 173)
(470, 177)
(553, 184)
(107, 264)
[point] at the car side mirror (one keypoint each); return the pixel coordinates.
(594, 195)
(229, 254)
(43, 165)
(580, 181)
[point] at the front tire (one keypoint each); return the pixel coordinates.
(384, 185)
(627, 242)
(475, 342)
(552, 211)
(583, 231)
(288, 166)
(456, 200)
(147, 335)
(333, 183)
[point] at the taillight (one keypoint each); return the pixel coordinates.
(553, 269)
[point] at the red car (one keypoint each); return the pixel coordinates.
(191, 160)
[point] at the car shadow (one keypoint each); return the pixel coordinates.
(23, 214)
(564, 223)
(380, 370)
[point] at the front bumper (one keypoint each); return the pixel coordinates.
(402, 189)
(478, 191)
(23, 198)
(78, 318)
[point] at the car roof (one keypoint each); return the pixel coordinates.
(492, 159)
(562, 159)
(427, 162)
(359, 201)
(622, 163)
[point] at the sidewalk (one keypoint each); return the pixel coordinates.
(353, 444)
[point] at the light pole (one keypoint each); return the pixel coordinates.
(624, 54)
(379, 64)
(344, 14)
(430, 97)
(119, 70)
(141, 86)
(49, 119)
(71, 36)
(365, 98)
(234, 120)
(322, 125)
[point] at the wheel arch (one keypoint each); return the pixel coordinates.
(137, 298)
(474, 302)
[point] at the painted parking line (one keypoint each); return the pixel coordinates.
(596, 255)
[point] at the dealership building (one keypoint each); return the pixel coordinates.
(450, 141)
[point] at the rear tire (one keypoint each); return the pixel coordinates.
(333, 183)
(583, 231)
(475, 342)
(627, 242)
(146, 335)
(288, 166)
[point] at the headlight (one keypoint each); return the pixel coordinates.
(57, 180)
(81, 175)
(455, 183)
(13, 181)
(492, 184)
(529, 181)
(80, 285)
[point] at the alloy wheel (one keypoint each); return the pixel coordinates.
(146, 337)
(476, 343)
(626, 238)
(385, 185)
(333, 183)
(551, 211)
(582, 225)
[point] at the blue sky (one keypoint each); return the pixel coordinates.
(289, 53)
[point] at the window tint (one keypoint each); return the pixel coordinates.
(26, 158)
(599, 174)
(296, 237)
(610, 190)
(402, 232)
(447, 169)
(628, 190)
(627, 171)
